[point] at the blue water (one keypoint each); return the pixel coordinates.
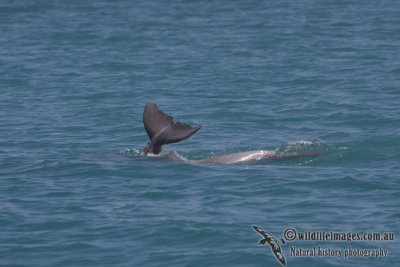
(277, 75)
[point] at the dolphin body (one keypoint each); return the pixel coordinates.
(162, 130)
(246, 157)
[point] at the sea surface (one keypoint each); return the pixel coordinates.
(275, 75)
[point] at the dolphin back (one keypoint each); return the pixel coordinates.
(161, 129)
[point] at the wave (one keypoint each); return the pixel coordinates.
(295, 151)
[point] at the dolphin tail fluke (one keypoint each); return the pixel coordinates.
(161, 129)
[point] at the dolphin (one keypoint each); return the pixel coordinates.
(162, 129)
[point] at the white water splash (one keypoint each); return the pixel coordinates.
(130, 152)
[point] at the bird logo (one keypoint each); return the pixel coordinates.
(272, 242)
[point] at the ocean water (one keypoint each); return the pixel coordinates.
(275, 75)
